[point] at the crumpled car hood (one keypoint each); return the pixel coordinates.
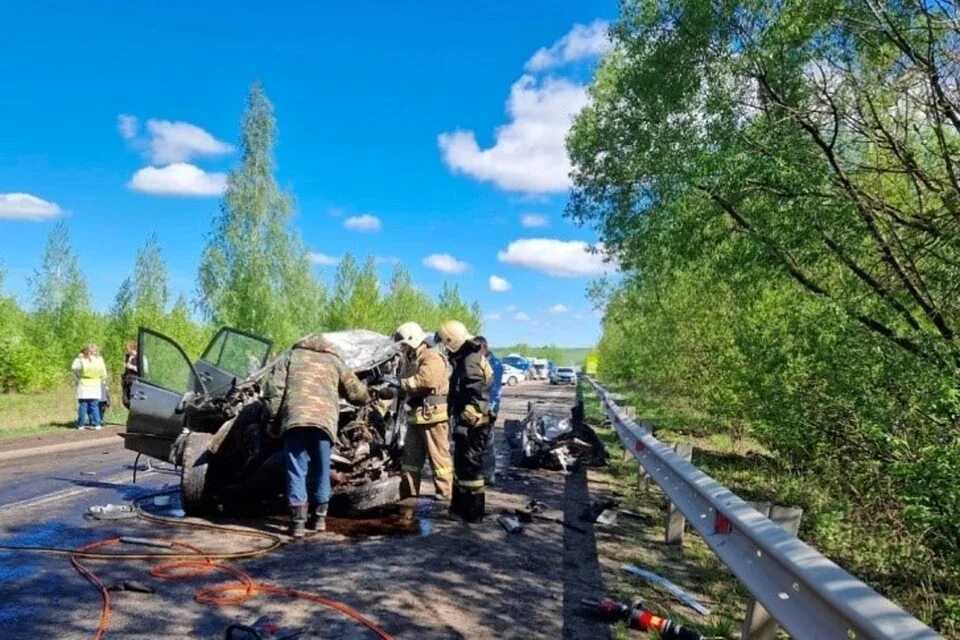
(361, 349)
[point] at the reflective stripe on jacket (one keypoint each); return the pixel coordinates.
(427, 387)
(91, 374)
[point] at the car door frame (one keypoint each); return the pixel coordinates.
(154, 421)
(215, 379)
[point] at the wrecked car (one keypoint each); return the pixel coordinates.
(208, 418)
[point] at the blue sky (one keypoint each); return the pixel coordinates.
(429, 133)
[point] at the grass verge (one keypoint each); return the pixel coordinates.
(23, 415)
(864, 538)
(639, 540)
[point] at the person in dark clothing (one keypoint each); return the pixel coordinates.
(469, 406)
(489, 454)
(130, 371)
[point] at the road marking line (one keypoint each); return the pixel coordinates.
(65, 493)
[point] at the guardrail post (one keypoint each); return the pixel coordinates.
(631, 413)
(675, 521)
(758, 625)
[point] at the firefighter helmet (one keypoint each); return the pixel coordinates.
(410, 334)
(452, 334)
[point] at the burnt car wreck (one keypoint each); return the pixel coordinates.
(208, 418)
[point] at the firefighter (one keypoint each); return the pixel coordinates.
(303, 393)
(469, 405)
(489, 455)
(428, 432)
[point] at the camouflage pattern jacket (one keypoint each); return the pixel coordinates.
(426, 387)
(470, 382)
(304, 388)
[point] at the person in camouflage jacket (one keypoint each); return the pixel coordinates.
(303, 394)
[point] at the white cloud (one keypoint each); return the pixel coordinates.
(446, 263)
(315, 257)
(175, 142)
(529, 154)
(178, 179)
(582, 41)
(559, 308)
(511, 308)
(386, 260)
(533, 220)
(564, 259)
(493, 316)
(499, 284)
(520, 316)
(128, 126)
(24, 206)
(365, 223)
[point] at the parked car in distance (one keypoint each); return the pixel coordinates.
(516, 361)
(563, 375)
(512, 375)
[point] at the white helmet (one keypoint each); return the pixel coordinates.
(410, 334)
(452, 334)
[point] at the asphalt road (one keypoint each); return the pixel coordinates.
(431, 577)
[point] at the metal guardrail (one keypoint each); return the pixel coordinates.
(805, 592)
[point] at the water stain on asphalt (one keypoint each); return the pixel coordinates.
(401, 519)
(15, 565)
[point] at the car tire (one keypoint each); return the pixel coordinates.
(512, 381)
(372, 495)
(194, 464)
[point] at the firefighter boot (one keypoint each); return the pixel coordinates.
(298, 521)
(474, 507)
(317, 518)
(457, 500)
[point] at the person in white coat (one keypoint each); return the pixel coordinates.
(91, 374)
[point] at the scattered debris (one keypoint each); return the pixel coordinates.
(639, 618)
(146, 542)
(673, 589)
(547, 442)
(110, 512)
(603, 512)
(132, 585)
(635, 515)
(510, 522)
(262, 629)
(88, 473)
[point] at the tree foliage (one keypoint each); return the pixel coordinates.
(254, 273)
(785, 211)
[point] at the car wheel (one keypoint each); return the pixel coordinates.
(195, 463)
(512, 381)
(367, 496)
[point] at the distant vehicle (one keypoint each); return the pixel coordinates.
(540, 369)
(516, 361)
(563, 375)
(512, 375)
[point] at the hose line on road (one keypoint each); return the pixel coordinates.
(192, 562)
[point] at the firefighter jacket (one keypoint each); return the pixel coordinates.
(470, 383)
(427, 387)
(304, 388)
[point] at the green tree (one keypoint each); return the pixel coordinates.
(254, 273)
(785, 213)
(452, 306)
(355, 302)
(405, 302)
(141, 300)
(62, 320)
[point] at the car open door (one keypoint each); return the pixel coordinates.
(232, 354)
(165, 375)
